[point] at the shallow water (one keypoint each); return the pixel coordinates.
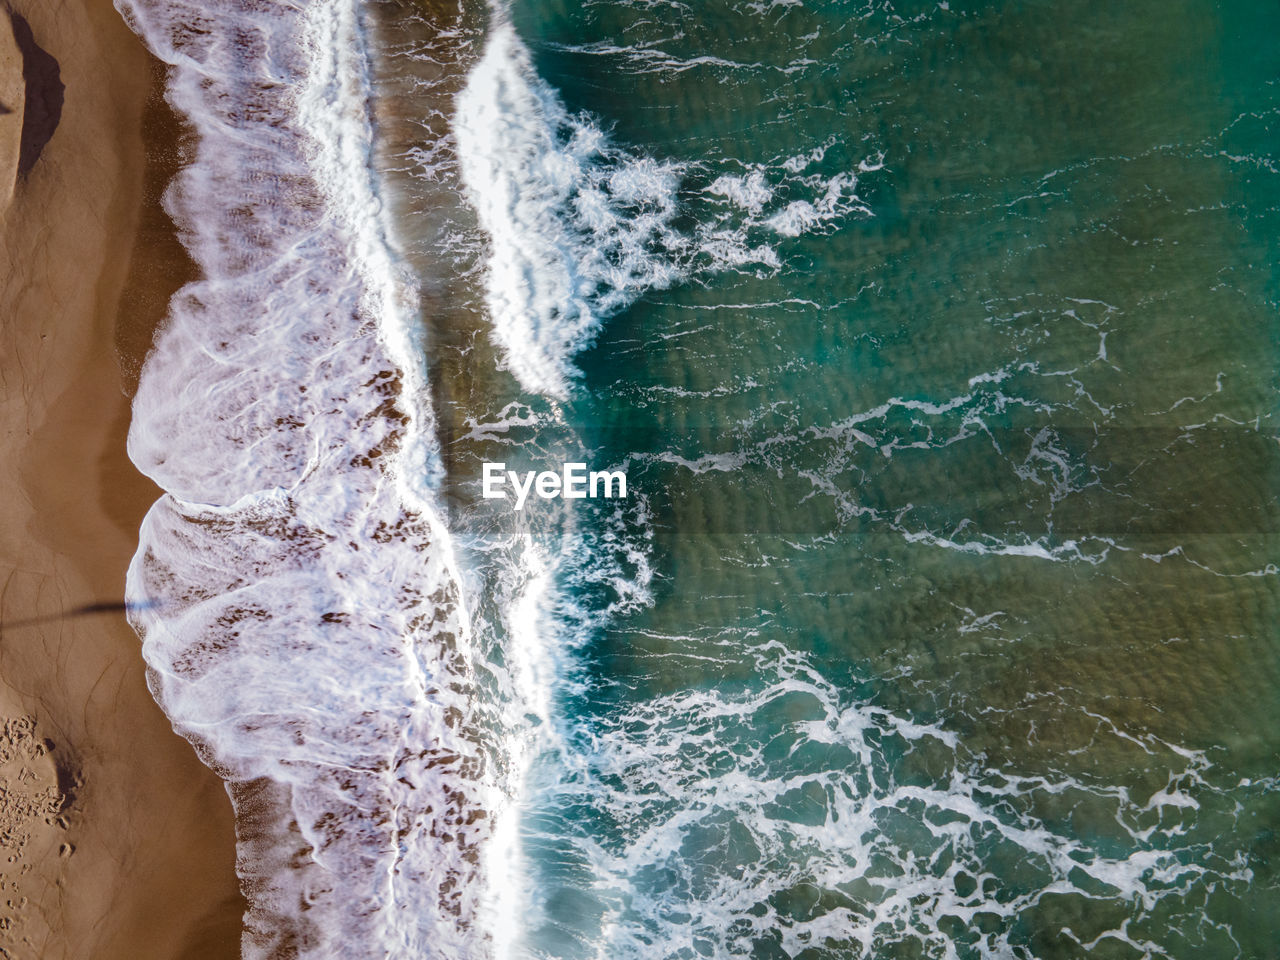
(939, 346)
(959, 488)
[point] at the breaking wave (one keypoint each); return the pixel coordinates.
(580, 227)
(299, 597)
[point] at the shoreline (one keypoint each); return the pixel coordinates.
(133, 853)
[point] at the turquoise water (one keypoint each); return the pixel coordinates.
(956, 515)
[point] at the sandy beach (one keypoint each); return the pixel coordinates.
(115, 841)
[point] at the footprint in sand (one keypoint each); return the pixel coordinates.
(31, 816)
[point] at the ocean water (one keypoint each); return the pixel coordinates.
(939, 346)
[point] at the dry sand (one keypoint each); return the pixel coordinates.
(115, 842)
(12, 95)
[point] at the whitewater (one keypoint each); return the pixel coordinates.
(398, 690)
(305, 616)
(297, 594)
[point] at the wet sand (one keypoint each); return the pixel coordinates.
(115, 841)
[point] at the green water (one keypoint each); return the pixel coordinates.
(963, 519)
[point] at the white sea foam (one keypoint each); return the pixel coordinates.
(576, 227)
(787, 814)
(750, 193)
(580, 227)
(302, 613)
(802, 216)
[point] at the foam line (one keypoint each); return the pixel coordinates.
(302, 611)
